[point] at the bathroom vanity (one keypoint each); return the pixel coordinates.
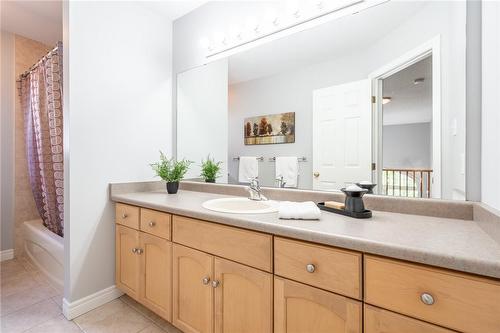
(205, 271)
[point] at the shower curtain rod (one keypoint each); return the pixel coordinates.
(23, 75)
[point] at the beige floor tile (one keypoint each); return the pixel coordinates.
(58, 299)
(113, 317)
(29, 317)
(15, 285)
(27, 264)
(152, 329)
(11, 268)
(13, 302)
(57, 325)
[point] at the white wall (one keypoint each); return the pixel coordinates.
(204, 118)
(7, 125)
(490, 155)
(117, 116)
(407, 146)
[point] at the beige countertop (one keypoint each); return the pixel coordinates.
(458, 244)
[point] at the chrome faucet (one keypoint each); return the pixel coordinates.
(281, 183)
(255, 190)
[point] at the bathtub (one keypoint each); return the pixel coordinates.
(46, 251)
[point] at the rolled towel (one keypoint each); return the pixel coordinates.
(299, 210)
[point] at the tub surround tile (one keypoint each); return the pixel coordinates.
(458, 244)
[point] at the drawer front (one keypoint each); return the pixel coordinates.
(383, 321)
(156, 223)
(320, 266)
(458, 301)
(247, 247)
(127, 215)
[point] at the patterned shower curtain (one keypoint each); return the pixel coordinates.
(41, 101)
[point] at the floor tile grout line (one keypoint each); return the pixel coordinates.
(143, 315)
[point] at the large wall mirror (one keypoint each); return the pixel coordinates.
(376, 97)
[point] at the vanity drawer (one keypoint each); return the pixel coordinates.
(127, 215)
(458, 301)
(247, 247)
(383, 321)
(320, 266)
(156, 223)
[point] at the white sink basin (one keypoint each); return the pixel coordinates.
(241, 206)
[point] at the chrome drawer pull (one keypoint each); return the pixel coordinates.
(206, 280)
(124, 216)
(427, 299)
(310, 268)
(152, 223)
(215, 283)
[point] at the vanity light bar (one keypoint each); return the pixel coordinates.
(227, 48)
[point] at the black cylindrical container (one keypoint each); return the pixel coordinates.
(354, 200)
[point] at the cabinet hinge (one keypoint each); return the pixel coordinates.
(374, 99)
(374, 166)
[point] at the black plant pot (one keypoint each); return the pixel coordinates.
(172, 187)
(209, 180)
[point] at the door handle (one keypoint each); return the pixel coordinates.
(316, 174)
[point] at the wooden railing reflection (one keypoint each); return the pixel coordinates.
(414, 183)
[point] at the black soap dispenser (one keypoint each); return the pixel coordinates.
(354, 198)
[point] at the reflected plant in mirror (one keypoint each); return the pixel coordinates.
(171, 171)
(210, 169)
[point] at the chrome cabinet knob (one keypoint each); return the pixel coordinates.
(124, 216)
(215, 283)
(140, 251)
(310, 268)
(206, 280)
(427, 299)
(134, 250)
(152, 223)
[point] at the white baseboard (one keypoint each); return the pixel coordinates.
(84, 305)
(6, 254)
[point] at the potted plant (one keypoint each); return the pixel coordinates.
(210, 170)
(171, 171)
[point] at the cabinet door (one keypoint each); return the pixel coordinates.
(243, 298)
(193, 292)
(156, 274)
(127, 260)
(299, 308)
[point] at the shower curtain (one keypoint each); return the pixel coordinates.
(41, 101)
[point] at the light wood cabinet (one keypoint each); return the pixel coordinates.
(324, 267)
(383, 321)
(193, 309)
(299, 308)
(209, 278)
(243, 298)
(458, 301)
(156, 274)
(127, 261)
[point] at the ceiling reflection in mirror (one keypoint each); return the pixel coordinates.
(377, 97)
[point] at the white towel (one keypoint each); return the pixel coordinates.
(248, 168)
(299, 210)
(288, 167)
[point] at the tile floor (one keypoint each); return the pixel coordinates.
(29, 304)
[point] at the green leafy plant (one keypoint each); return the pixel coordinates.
(169, 169)
(210, 170)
